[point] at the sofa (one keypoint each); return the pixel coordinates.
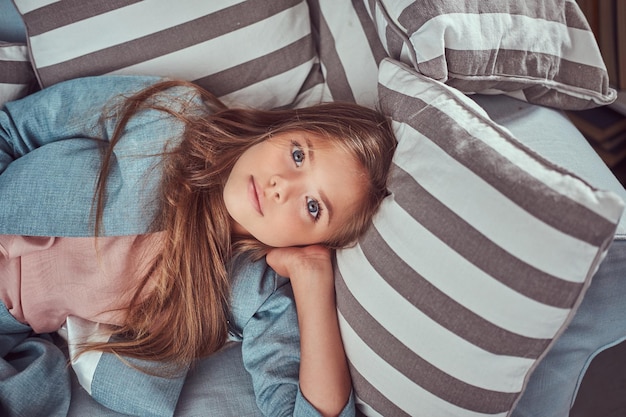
(493, 273)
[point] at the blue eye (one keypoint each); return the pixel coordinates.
(313, 207)
(297, 154)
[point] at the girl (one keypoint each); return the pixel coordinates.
(182, 187)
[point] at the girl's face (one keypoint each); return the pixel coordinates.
(293, 189)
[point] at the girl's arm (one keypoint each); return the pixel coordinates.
(324, 377)
(48, 158)
(68, 110)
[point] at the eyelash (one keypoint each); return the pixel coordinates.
(310, 200)
(297, 148)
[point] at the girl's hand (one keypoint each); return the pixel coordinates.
(287, 261)
(324, 376)
(311, 273)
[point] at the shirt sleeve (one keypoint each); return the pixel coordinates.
(56, 136)
(271, 354)
(67, 110)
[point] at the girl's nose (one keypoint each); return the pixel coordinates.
(280, 188)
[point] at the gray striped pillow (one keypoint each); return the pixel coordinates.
(256, 53)
(349, 50)
(473, 265)
(17, 78)
(540, 51)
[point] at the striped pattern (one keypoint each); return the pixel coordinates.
(258, 53)
(540, 51)
(473, 265)
(349, 50)
(17, 78)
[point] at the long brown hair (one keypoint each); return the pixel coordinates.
(185, 315)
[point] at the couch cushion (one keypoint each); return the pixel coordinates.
(349, 50)
(550, 133)
(474, 264)
(537, 50)
(17, 78)
(11, 26)
(255, 53)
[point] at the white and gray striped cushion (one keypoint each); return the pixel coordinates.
(473, 265)
(540, 51)
(258, 53)
(16, 73)
(349, 50)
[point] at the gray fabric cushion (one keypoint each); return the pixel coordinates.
(474, 264)
(349, 50)
(17, 78)
(248, 53)
(551, 134)
(217, 386)
(11, 26)
(541, 51)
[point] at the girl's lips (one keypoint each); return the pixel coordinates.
(253, 195)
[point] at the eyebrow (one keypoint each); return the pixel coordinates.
(325, 199)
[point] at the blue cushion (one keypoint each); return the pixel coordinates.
(12, 27)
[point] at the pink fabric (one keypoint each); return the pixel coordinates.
(43, 280)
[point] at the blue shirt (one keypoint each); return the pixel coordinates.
(50, 155)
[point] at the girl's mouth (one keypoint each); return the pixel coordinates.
(253, 195)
